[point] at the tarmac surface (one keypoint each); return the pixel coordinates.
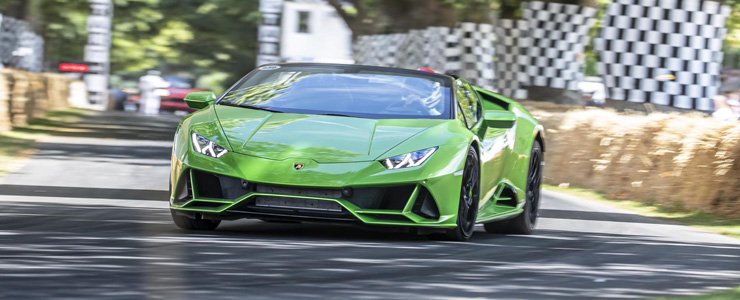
(87, 217)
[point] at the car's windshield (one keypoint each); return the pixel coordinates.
(354, 91)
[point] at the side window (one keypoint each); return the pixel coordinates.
(468, 103)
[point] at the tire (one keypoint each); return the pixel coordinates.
(194, 224)
(525, 222)
(469, 198)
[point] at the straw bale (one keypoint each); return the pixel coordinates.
(679, 160)
(27, 95)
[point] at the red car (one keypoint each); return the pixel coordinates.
(174, 101)
(172, 98)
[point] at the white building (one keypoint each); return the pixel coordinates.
(303, 31)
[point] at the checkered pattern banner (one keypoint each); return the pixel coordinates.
(543, 49)
(377, 50)
(466, 49)
(666, 52)
(558, 35)
(512, 58)
(441, 51)
(477, 52)
(20, 47)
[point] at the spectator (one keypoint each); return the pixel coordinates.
(152, 87)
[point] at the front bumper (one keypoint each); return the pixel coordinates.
(238, 185)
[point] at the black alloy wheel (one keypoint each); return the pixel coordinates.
(525, 222)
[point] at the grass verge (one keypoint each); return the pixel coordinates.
(709, 222)
(20, 143)
(731, 294)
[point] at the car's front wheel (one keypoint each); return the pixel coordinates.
(524, 223)
(193, 224)
(469, 197)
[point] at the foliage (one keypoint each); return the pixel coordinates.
(729, 294)
(198, 37)
(217, 37)
(733, 27)
(185, 36)
(388, 16)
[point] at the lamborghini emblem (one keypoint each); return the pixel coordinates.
(298, 166)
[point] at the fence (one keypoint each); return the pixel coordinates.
(20, 48)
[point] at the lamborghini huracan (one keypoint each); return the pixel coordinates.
(383, 146)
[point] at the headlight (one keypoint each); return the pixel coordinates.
(408, 160)
(206, 147)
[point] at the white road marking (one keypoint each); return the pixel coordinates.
(87, 201)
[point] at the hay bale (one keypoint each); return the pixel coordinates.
(26, 95)
(681, 160)
(5, 123)
(39, 104)
(57, 87)
(19, 99)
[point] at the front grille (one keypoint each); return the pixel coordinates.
(203, 204)
(298, 191)
(251, 209)
(390, 198)
(210, 185)
(390, 218)
(276, 201)
(297, 203)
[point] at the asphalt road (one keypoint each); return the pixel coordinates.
(87, 217)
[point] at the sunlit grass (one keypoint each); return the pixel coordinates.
(731, 294)
(19, 143)
(726, 226)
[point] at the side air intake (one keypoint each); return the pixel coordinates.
(425, 205)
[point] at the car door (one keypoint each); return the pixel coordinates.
(470, 112)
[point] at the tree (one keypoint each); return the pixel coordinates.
(193, 36)
(389, 16)
(224, 35)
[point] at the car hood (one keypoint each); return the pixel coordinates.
(324, 139)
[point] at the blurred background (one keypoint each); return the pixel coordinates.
(670, 53)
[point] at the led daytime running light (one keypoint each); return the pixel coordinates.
(408, 160)
(206, 147)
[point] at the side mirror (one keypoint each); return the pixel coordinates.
(499, 118)
(198, 100)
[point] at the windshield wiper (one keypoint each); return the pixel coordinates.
(251, 107)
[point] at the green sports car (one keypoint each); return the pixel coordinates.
(349, 143)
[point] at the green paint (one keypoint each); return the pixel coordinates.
(338, 152)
